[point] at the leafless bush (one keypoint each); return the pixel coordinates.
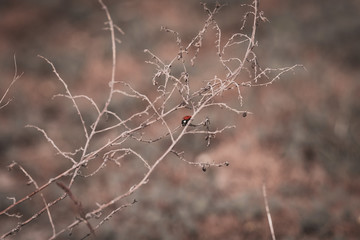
(111, 141)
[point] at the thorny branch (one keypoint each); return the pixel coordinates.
(159, 110)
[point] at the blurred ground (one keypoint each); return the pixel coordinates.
(303, 140)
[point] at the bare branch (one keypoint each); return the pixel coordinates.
(204, 165)
(68, 94)
(81, 96)
(268, 212)
(111, 154)
(32, 181)
(15, 78)
(52, 143)
(77, 204)
(265, 72)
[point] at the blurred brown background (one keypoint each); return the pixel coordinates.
(303, 140)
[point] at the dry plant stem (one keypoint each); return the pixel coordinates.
(15, 78)
(89, 137)
(254, 82)
(145, 179)
(21, 224)
(107, 218)
(68, 93)
(100, 223)
(111, 85)
(79, 164)
(77, 204)
(31, 180)
(135, 187)
(85, 157)
(268, 212)
(156, 110)
(52, 143)
(204, 165)
(88, 156)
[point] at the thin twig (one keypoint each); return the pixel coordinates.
(15, 78)
(52, 143)
(268, 212)
(31, 180)
(78, 206)
(68, 93)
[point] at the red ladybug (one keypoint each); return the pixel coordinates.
(185, 120)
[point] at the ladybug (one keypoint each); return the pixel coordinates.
(185, 120)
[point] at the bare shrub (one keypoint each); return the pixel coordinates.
(110, 138)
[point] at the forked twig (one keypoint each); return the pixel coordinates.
(15, 78)
(32, 181)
